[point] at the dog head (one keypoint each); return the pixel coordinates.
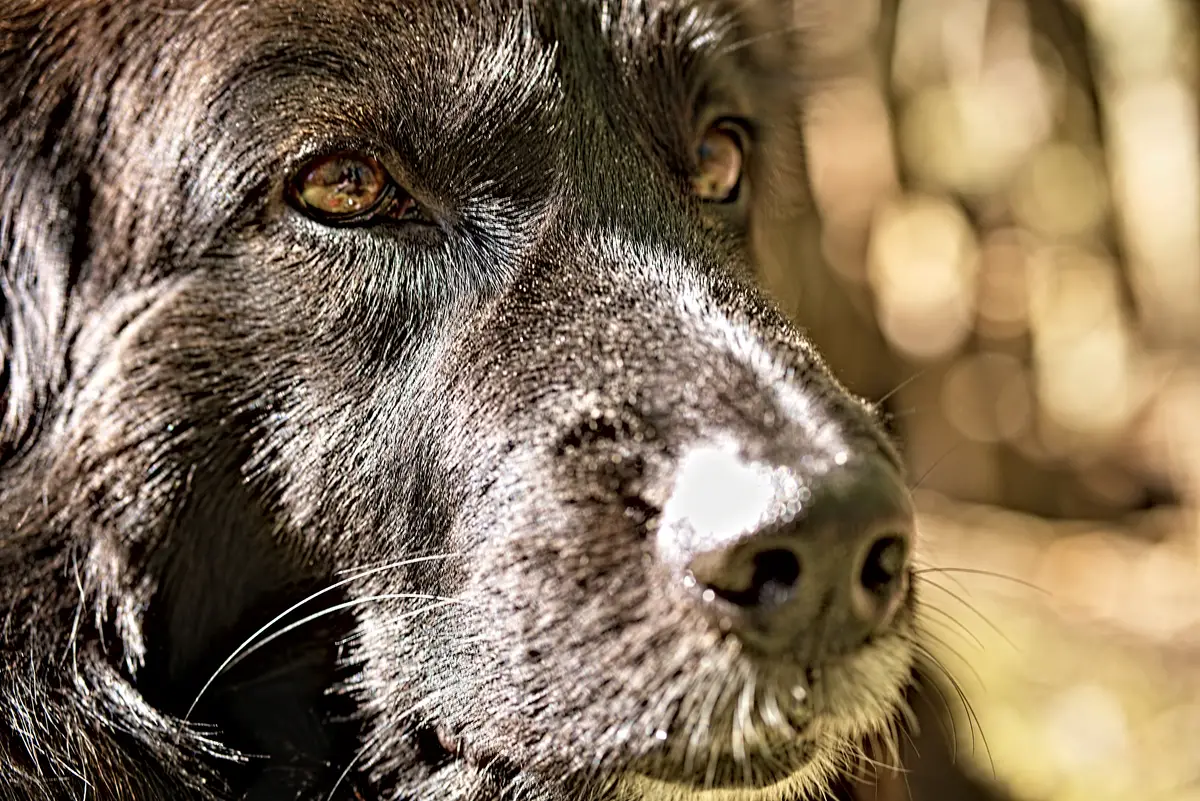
(448, 307)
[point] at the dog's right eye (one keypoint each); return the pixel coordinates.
(720, 162)
(348, 188)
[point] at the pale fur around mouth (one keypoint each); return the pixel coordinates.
(807, 782)
(883, 668)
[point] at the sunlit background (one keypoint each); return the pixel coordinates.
(1010, 197)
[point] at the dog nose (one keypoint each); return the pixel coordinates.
(801, 558)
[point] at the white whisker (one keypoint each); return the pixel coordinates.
(237, 651)
(387, 596)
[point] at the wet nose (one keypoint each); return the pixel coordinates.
(801, 558)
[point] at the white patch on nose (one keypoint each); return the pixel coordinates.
(719, 494)
(719, 497)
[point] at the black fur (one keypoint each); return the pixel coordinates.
(214, 407)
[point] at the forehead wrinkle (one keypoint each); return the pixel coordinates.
(444, 80)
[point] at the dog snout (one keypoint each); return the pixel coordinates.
(808, 557)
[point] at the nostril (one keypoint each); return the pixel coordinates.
(884, 563)
(878, 591)
(776, 572)
(751, 579)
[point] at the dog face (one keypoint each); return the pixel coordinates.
(441, 316)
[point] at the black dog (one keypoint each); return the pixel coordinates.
(397, 365)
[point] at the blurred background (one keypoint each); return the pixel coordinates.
(1010, 201)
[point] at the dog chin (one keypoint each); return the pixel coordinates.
(834, 744)
(806, 782)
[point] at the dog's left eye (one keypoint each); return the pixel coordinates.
(348, 188)
(720, 157)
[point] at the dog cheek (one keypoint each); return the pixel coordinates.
(564, 607)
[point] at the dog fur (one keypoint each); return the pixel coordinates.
(454, 440)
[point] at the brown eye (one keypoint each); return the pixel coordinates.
(347, 187)
(719, 162)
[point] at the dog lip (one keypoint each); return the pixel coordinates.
(760, 768)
